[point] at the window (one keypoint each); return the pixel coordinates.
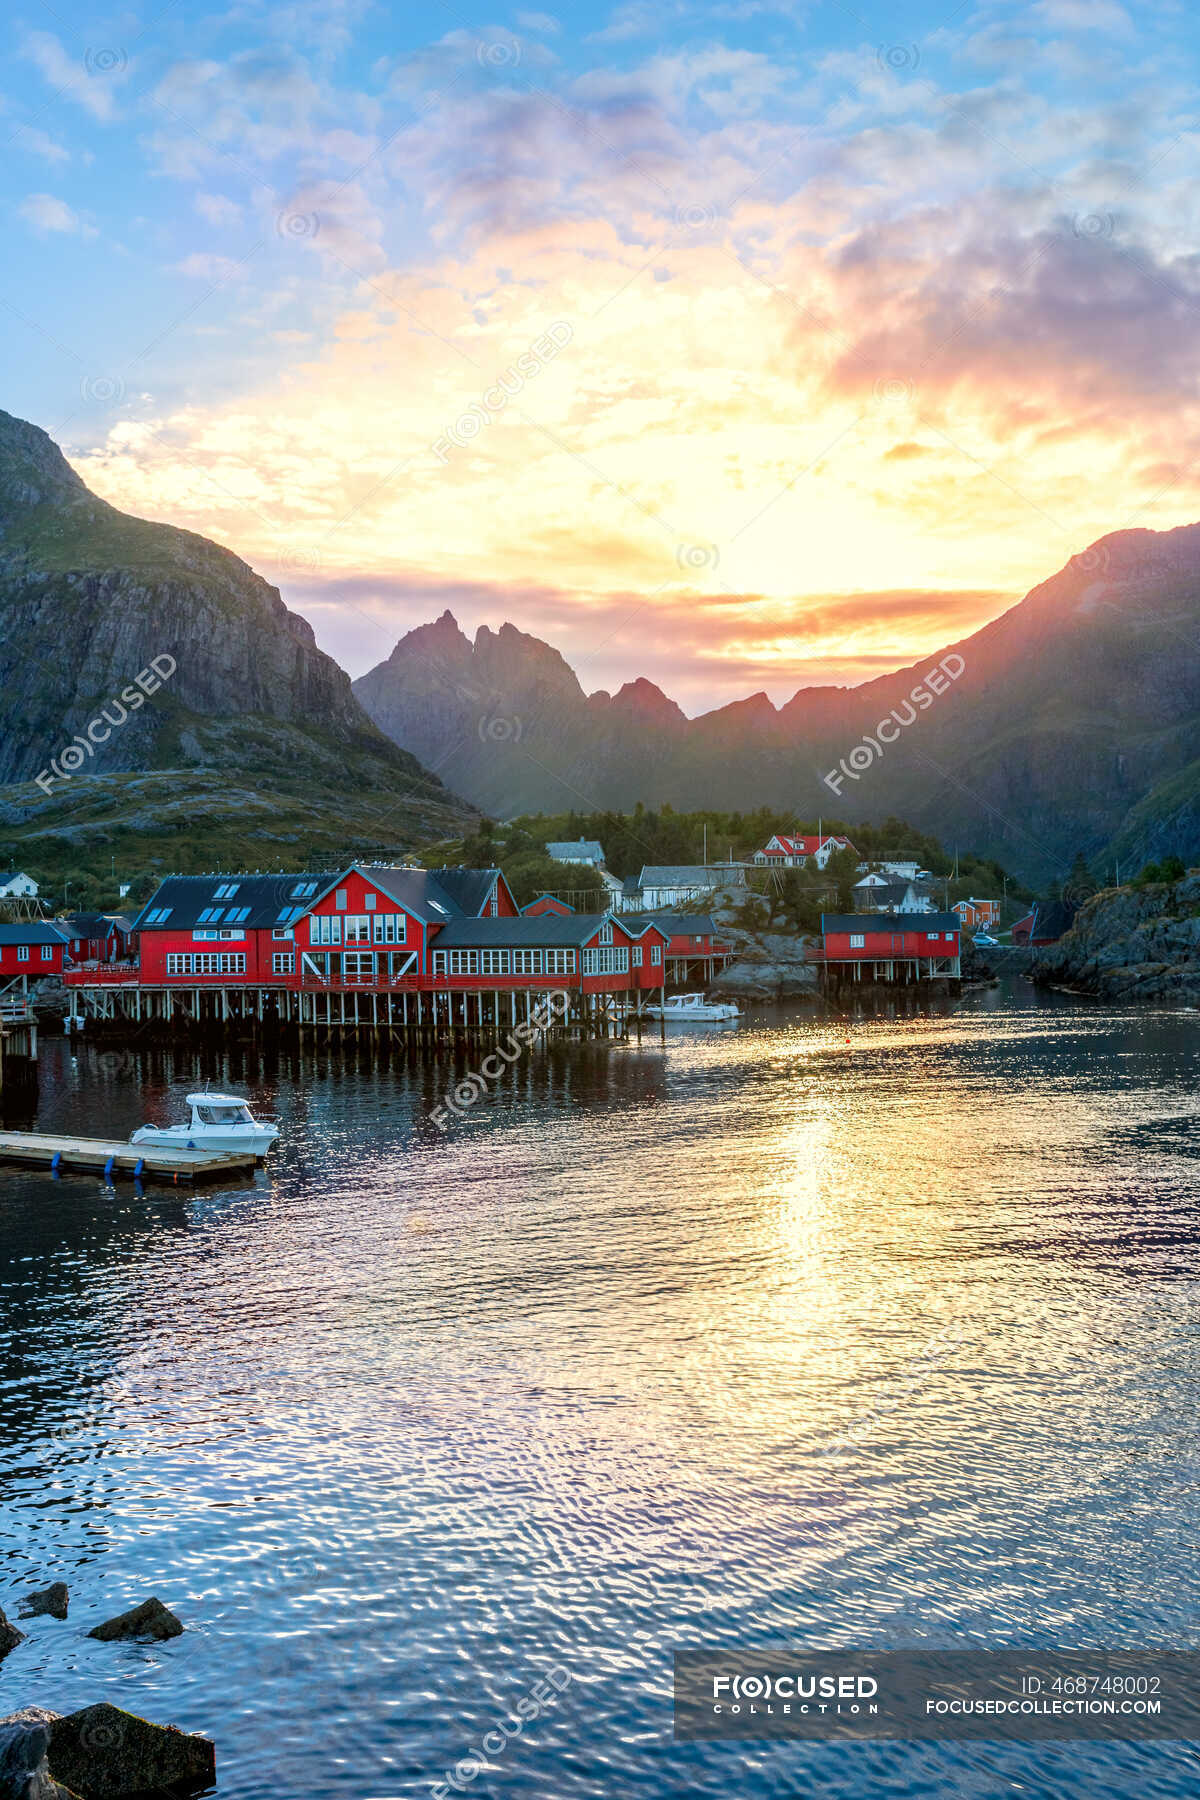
(226, 891)
(464, 962)
(202, 937)
(529, 962)
(606, 933)
(23, 953)
(439, 962)
(323, 928)
(857, 940)
(303, 890)
(209, 913)
(359, 965)
(282, 934)
(283, 962)
(339, 899)
(369, 901)
(495, 962)
(560, 962)
(655, 954)
(611, 959)
(358, 929)
(214, 962)
(159, 916)
(390, 928)
(636, 954)
(238, 914)
(47, 952)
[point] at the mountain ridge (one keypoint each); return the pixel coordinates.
(90, 597)
(1070, 710)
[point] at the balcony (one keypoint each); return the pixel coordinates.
(98, 974)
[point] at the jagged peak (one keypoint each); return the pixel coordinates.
(32, 467)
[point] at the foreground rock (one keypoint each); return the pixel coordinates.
(149, 1620)
(24, 1766)
(1131, 944)
(103, 1753)
(51, 1602)
(10, 1637)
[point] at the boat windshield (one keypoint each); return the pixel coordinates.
(223, 1115)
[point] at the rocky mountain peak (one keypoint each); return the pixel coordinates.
(33, 470)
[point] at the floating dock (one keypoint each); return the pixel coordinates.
(110, 1159)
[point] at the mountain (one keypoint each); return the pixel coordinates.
(253, 731)
(1071, 723)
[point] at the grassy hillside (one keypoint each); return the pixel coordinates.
(134, 828)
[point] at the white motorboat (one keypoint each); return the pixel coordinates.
(692, 1009)
(218, 1122)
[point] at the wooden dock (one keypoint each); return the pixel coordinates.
(113, 1158)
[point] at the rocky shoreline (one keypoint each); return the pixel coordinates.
(100, 1752)
(768, 965)
(1131, 943)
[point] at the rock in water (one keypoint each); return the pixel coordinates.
(10, 1637)
(105, 1754)
(52, 1601)
(24, 1770)
(149, 1620)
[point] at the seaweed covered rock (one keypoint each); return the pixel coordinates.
(150, 1620)
(103, 1753)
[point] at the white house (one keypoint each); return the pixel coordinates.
(797, 852)
(583, 850)
(883, 893)
(896, 871)
(661, 886)
(15, 886)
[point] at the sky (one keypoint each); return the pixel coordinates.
(747, 345)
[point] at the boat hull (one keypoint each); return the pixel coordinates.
(257, 1138)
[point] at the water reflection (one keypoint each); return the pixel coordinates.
(851, 1330)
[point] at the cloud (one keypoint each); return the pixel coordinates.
(202, 266)
(90, 80)
(29, 137)
(217, 209)
(47, 213)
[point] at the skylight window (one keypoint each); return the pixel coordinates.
(227, 890)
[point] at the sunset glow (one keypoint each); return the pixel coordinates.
(745, 350)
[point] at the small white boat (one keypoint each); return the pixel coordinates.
(218, 1122)
(693, 1009)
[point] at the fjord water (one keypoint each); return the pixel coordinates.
(855, 1334)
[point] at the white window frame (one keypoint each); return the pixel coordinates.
(656, 951)
(22, 952)
(283, 962)
(47, 952)
(324, 929)
(858, 940)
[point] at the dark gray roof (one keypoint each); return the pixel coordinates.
(34, 931)
(685, 875)
(891, 922)
(675, 924)
(93, 924)
(433, 895)
(544, 928)
(581, 850)
(268, 899)
(470, 889)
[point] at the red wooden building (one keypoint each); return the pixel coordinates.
(386, 946)
(899, 947)
(29, 951)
